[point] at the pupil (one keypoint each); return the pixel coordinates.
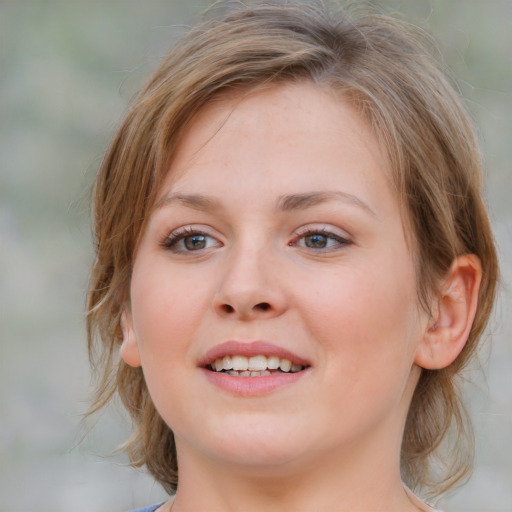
(195, 242)
(316, 241)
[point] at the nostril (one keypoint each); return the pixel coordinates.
(263, 306)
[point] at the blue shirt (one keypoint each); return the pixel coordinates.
(148, 509)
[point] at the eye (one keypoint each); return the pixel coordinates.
(320, 240)
(188, 240)
(316, 241)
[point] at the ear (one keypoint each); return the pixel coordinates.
(455, 311)
(129, 347)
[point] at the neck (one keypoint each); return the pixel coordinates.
(298, 486)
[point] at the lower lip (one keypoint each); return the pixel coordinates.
(252, 386)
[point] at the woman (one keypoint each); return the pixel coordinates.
(294, 264)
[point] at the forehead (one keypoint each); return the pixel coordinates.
(295, 132)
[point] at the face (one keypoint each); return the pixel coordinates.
(273, 302)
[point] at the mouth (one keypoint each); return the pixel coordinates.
(237, 365)
(252, 359)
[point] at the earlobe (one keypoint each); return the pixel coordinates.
(129, 347)
(454, 314)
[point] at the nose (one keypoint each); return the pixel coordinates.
(249, 286)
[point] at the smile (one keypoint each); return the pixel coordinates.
(255, 366)
(252, 368)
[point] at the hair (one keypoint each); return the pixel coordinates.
(386, 69)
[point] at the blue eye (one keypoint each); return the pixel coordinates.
(194, 242)
(316, 241)
(189, 241)
(320, 240)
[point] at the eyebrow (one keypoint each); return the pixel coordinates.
(310, 199)
(195, 201)
(286, 203)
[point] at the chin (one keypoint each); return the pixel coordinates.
(255, 445)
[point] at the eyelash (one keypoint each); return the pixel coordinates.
(171, 241)
(329, 235)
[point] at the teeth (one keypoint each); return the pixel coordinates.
(273, 362)
(248, 373)
(255, 366)
(258, 363)
(285, 365)
(226, 363)
(240, 362)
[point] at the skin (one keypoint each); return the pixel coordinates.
(331, 439)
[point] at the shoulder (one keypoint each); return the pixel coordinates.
(152, 508)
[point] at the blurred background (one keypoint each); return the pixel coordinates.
(68, 69)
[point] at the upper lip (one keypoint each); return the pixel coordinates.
(249, 349)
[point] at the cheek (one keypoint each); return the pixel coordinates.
(369, 333)
(166, 307)
(366, 317)
(166, 310)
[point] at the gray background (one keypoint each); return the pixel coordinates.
(67, 71)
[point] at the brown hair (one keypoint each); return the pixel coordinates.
(385, 68)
